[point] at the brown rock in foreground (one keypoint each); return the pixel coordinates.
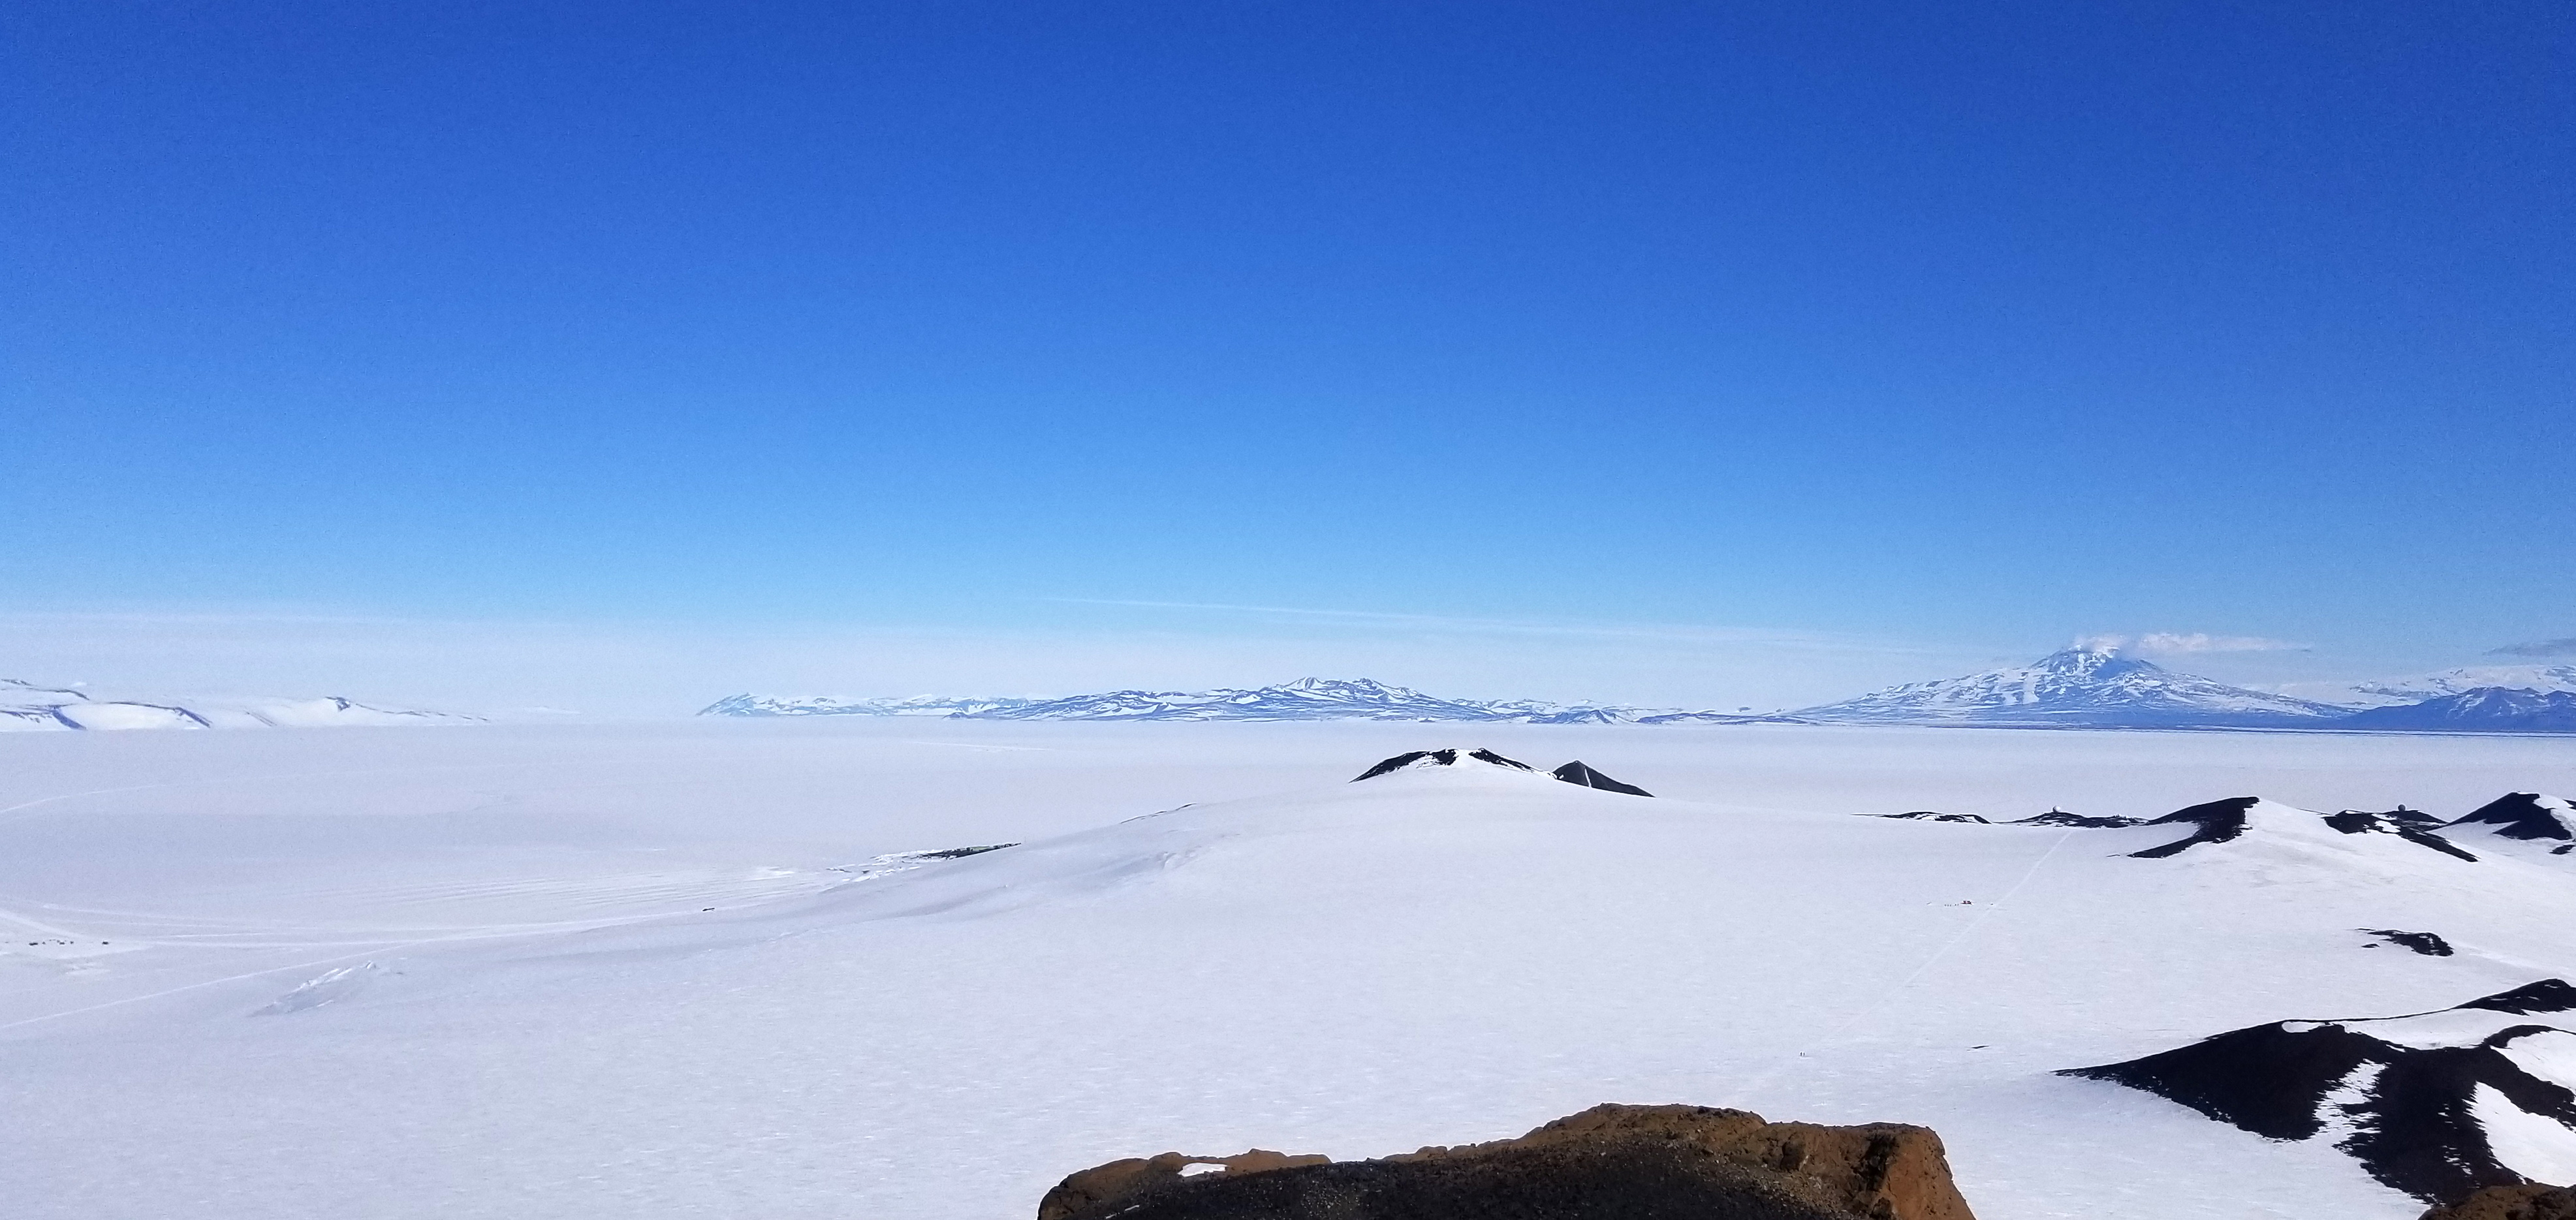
(1608, 1163)
(2532, 1202)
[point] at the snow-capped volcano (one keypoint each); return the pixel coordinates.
(2435, 1104)
(2079, 687)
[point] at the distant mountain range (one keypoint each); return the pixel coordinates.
(27, 705)
(2073, 688)
(2391, 692)
(1303, 699)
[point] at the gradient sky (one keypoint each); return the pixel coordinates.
(1781, 344)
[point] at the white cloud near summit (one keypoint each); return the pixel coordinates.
(2178, 642)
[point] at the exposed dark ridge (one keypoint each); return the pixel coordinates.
(1933, 815)
(1401, 761)
(1577, 773)
(2517, 815)
(2410, 828)
(2547, 995)
(2059, 817)
(1496, 759)
(2427, 943)
(2219, 821)
(960, 853)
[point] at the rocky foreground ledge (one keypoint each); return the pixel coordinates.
(2528, 1202)
(1608, 1161)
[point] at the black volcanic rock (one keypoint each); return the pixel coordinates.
(1577, 773)
(2401, 1092)
(2218, 822)
(2059, 817)
(1934, 815)
(2403, 822)
(2427, 943)
(2523, 815)
(1607, 1163)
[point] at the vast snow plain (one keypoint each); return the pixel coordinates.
(670, 970)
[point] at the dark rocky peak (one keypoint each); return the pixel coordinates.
(1577, 773)
(2525, 815)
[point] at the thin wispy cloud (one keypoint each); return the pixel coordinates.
(2186, 642)
(1453, 623)
(2538, 648)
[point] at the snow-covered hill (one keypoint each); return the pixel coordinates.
(1304, 699)
(2390, 692)
(29, 706)
(2078, 687)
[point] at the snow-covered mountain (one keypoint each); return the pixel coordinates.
(2485, 709)
(2435, 1104)
(1304, 699)
(27, 705)
(750, 705)
(2082, 687)
(2390, 692)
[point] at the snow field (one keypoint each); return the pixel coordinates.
(472, 999)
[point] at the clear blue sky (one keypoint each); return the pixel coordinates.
(1978, 328)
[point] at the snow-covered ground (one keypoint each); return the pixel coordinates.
(667, 970)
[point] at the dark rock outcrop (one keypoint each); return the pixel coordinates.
(2532, 1202)
(1577, 773)
(1610, 1161)
(2404, 1094)
(2430, 944)
(2218, 822)
(1935, 815)
(2059, 817)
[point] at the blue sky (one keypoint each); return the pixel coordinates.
(1932, 334)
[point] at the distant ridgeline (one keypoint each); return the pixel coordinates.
(2076, 688)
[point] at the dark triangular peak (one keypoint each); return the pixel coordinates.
(1438, 758)
(1577, 773)
(2414, 1098)
(2080, 821)
(2525, 815)
(2218, 821)
(2547, 995)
